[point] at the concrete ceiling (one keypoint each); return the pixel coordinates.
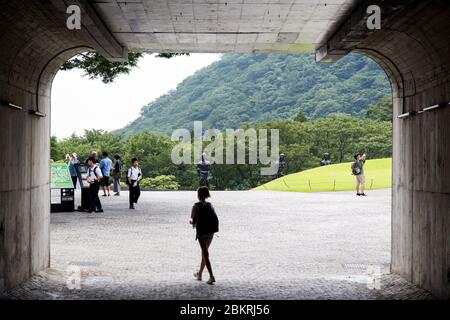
(222, 25)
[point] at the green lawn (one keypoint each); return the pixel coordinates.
(337, 177)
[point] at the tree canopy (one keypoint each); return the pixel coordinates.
(382, 110)
(96, 66)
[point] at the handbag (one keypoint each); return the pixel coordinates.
(116, 174)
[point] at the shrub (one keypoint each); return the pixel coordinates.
(164, 182)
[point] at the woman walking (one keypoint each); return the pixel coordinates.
(204, 219)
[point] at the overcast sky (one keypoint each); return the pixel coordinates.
(79, 103)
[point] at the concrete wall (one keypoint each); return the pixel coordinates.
(31, 52)
(34, 43)
(24, 186)
(414, 49)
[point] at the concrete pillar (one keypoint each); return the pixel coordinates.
(24, 194)
(31, 53)
(416, 57)
(413, 47)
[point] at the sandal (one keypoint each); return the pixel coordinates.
(211, 280)
(197, 276)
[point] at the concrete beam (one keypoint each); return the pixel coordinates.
(354, 29)
(95, 30)
(325, 55)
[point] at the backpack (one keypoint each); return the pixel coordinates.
(140, 174)
(207, 221)
(356, 170)
(95, 168)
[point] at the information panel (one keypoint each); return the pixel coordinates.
(60, 176)
(55, 196)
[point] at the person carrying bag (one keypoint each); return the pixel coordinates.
(117, 174)
(204, 219)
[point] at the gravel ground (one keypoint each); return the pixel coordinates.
(271, 245)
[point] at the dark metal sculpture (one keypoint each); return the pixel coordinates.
(203, 169)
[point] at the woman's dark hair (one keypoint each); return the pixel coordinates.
(203, 193)
(116, 156)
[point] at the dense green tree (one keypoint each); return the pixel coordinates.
(92, 140)
(303, 143)
(56, 152)
(300, 117)
(336, 135)
(382, 110)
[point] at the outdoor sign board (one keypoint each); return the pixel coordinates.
(60, 176)
(82, 170)
(62, 191)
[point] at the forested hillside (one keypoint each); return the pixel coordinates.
(251, 88)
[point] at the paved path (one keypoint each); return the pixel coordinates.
(271, 245)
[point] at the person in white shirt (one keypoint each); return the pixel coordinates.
(134, 175)
(94, 175)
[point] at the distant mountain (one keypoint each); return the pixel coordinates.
(249, 88)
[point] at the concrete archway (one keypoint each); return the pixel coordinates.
(412, 46)
(415, 53)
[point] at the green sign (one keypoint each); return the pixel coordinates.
(60, 176)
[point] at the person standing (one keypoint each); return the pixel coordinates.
(206, 223)
(358, 171)
(94, 175)
(72, 165)
(117, 173)
(94, 154)
(105, 166)
(133, 177)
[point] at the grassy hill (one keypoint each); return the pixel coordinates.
(335, 177)
(253, 88)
